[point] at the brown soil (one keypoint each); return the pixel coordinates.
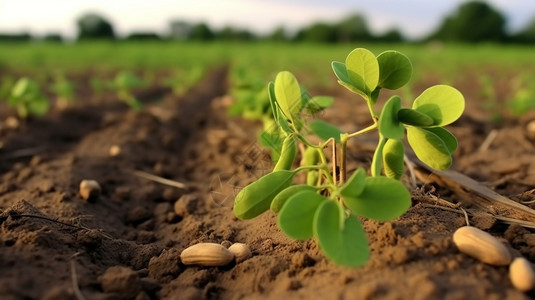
(126, 243)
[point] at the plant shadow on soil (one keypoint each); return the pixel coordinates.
(126, 243)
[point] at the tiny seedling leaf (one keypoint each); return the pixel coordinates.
(297, 215)
(345, 245)
(284, 195)
(429, 148)
(362, 70)
(325, 130)
(393, 154)
(443, 103)
(340, 71)
(288, 94)
(354, 185)
(413, 117)
(389, 126)
(256, 198)
(382, 199)
(272, 99)
(395, 69)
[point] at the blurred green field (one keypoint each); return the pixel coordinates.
(42, 57)
(484, 68)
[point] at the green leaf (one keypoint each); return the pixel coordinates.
(345, 245)
(362, 70)
(447, 137)
(393, 154)
(272, 99)
(39, 106)
(325, 130)
(341, 72)
(382, 199)
(256, 198)
(296, 217)
(284, 195)
(287, 156)
(429, 148)
(413, 117)
(319, 103)
(354, 185)
(443, 103)
(395, 69)
(389, 126)
(288, 94)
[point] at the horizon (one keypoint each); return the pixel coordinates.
(414, 18)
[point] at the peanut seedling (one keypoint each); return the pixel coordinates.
(327, 207)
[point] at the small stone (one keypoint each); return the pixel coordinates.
(114, 150)
(241, 251)
(530, 129)
(522, 275)
(89, 190)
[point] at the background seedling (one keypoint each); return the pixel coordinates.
(27, 98)
(64, 90)
(123, 84)
(327, 206)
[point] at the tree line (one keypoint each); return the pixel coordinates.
(471, 22)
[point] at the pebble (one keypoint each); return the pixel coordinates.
(522, 275)
(241, 251)
(115, 150)
(89, 189)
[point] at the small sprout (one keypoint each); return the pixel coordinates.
(64, 90)
(89, 189)
(327, 207)
(123, 83)
(241, 251)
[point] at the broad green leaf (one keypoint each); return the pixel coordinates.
(284, 195)
(319, 103)
(447, 137)
(256, 198)
(395, 69)
(296, 217)
(340, 71)
(287, 156)
(443, 103)
(325, 130)
(288, 94)
(354, 185)
(429, 148)
(382, 199)
(345, 245)
(389, 126)
(362, 70)
(393, 154)
(413, 117)
(283, 122)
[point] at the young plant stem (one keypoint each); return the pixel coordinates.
(343, 147)
(334, 161)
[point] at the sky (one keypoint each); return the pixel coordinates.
(415, 18)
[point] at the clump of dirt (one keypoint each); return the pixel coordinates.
(126, 243)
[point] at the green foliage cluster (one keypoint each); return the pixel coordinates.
(328, 205)
(26, 96)
(183, 79)
(123, 84)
